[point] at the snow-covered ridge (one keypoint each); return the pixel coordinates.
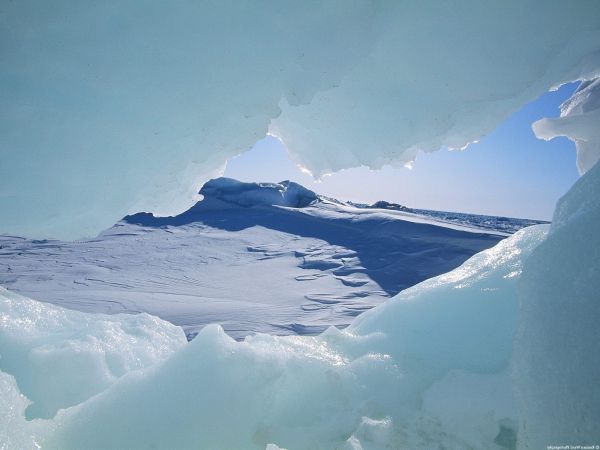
(220, 261)
(291, 194)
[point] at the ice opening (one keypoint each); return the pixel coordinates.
(110, 110)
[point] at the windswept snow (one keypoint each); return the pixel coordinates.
(270, 257)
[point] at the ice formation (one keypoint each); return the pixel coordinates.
(500, 353)
(579, 119)
(113, 108)
(394, 379)
(107, 113)
(61, 357)
(558, 344)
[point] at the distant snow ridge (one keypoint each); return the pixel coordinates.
(493, 223)
(507, 225)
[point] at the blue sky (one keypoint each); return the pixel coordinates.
(508, 173)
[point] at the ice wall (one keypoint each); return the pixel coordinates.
(558, 345)
(113, 108)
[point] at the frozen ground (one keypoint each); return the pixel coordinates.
(243, 259)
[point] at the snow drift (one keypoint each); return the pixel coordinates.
(130, 108)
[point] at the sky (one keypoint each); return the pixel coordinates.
(507, 173)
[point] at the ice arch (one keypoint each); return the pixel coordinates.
(119, 107)
(103, 111)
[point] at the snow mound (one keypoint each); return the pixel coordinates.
(285, 193)
(111, 109)
(60, 358)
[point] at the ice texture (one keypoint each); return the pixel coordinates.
(15, 431)
(579, 121)
(113, 108)
(558, 343)
(393, 379)
(60, 358)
